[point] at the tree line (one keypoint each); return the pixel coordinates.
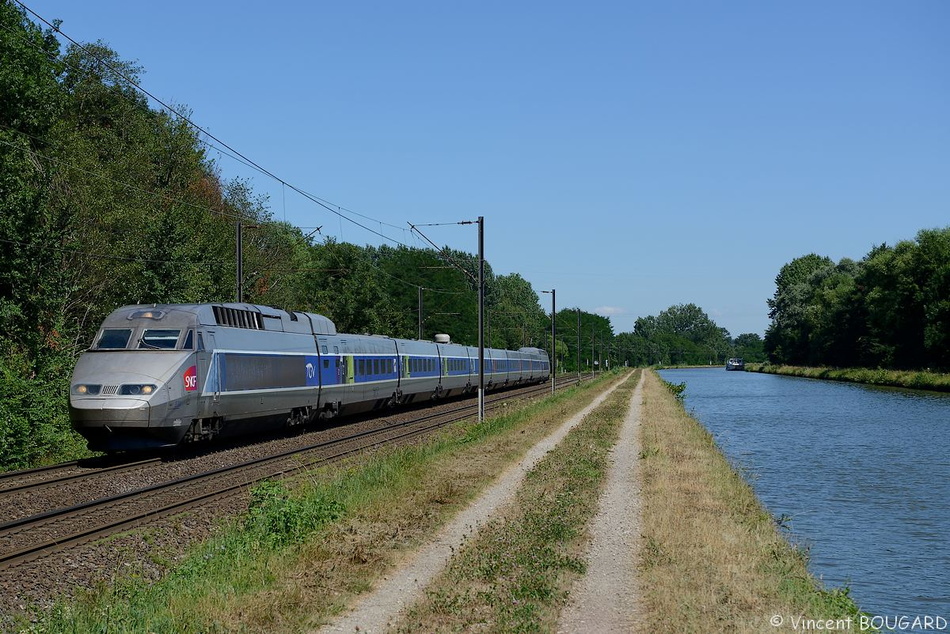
(889, 310)
(105, 201)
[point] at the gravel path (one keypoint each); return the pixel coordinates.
(396, 592)
(606, 598)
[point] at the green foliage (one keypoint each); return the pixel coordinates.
(676, 389)
(278, 518)
(889, 310)
(588, 341)
(750, 346)
(34, 426)
(680, 335)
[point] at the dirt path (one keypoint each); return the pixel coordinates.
(606, 598)
(374, 612)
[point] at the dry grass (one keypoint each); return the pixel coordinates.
(713, 559)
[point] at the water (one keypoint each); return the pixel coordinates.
(863, 473)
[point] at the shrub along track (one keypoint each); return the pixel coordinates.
(27, 543)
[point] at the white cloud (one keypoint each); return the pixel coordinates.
(609, 311)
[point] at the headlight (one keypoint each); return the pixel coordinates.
(84, 389)
(136, 389)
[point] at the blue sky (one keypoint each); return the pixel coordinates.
(633, 155)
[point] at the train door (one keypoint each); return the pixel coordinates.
(330, 366)
(207, 378)
(349, 376)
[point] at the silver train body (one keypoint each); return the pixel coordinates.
(158, 376)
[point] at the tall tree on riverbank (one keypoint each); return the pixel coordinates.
(889, 310)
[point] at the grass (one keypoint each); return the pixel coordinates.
(713, 558)
(514, 576)
(306, 549)
(918, 380)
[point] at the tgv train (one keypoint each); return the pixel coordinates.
(160, 375)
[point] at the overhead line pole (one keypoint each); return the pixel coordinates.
(553, 293)
(420, 313)
(481, 313)
(481, 319)
(578, 345)
(239, 257)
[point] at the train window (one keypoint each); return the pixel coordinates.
(189, 341)
(324, 350)
(201, 342)
(336, 349)
(159, 339)
(326, 364)
(361, 367)
(114, 339)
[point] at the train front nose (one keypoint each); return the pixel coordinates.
(120, 417)
(108, 420)
(119, 411)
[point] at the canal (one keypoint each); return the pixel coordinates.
(859, 475)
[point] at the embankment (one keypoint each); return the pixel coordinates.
(917, 380)
(713, 558)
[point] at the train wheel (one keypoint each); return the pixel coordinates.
(395, 399)
(299, 416)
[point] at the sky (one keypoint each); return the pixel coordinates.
(633, 155)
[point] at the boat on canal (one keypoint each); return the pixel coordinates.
(735, 363)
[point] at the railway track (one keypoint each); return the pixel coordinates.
(27, 538)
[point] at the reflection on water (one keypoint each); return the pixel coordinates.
(864, 474)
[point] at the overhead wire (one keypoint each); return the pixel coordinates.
(331, 207)
(225, 149)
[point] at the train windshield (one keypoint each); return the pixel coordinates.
(114, 339)
(159, 339)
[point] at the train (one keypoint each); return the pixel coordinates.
(164, 375)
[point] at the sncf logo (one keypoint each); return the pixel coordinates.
(191, 379)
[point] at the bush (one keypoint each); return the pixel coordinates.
(279, 518)
(34, 418)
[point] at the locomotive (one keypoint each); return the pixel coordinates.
(166, 374)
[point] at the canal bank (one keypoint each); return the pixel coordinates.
(858, 475)
(713, 558)
(913, 380)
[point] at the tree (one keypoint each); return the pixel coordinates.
(30, 234)
(933, 270)
(515, 316)
(786, 339)
(750, 347)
